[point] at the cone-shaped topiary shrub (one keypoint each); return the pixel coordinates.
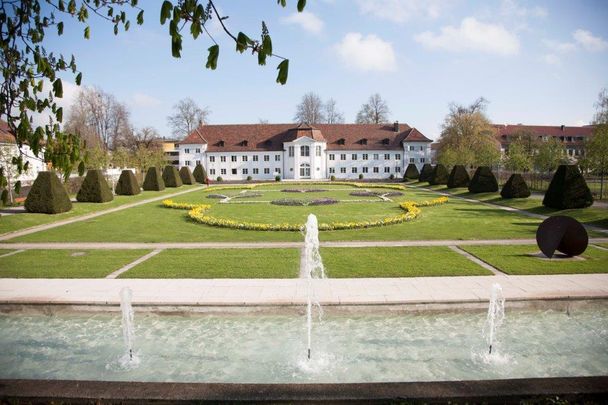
(171, 177)
(154, 180)
(440, 175)
(515, 187)
(411, 172)
(568, 189)
(186, 175)
(94, 188)
(483, 181)
(47, 195)
(200, 174)
(459, 177)
(127, 184)
(426, 172)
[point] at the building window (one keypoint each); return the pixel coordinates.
(376, 156)
(343, 170)
(233, 158)
(387, 170)
(365, 156)
(364, 170)
(244, 158)
(397, 169)
(332, 170)
(187, 163)
(223, 171)
(397, 156)
(233, 171)
(422, 148)
(304, 170)
(422, 160)
(266, 158)
(387, 156)
(256, 170)
(212, 172)
(318, 149)
(376, 170)
(187, 150)
(412, 147)
(304, 151)
(245, 171)
(353, 169)
(277, 158)
(332, 156)
(222, 158)
(198, 162)
(354, 156)
(412, 160)
(343, 156)
(212, 159)
(255, 158)
(290, 151)
(266, 170)
(277, 170)
(198, 150)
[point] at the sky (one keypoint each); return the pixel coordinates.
(536, 62)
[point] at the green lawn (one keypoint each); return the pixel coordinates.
(66, 263)
(397, 262)
(16, 222)
(5, 251)
(216, 263)
(517, 260)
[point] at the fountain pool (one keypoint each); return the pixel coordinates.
(270, 348)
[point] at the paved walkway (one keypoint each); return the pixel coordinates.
(294, 291)
(44, 227)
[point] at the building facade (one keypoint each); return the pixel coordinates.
(303, 152)
(9, 149)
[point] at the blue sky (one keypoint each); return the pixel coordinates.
(536, 62)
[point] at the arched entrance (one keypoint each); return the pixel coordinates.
(305, 171)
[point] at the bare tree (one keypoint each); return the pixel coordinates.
(188, 115)
(375, 111)
(310, 110)
(601, 114)
(98, 117)
(147, 137)
(332, 115)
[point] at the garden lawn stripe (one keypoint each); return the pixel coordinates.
(12, 253)
(477, 260)
(133, 264)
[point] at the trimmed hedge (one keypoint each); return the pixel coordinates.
(483, 181)
(439, 176)
(200, 174)
(154, 180)
(515, 187)
(568, 189)
(426, 172)
(171, 177)
(48, 195)
(186, 175)
(411, 172)
(95, 188)
(127, 184)
(459, 177)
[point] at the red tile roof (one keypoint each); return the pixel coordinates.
(267, 137)
(545, 130)
(6, 136)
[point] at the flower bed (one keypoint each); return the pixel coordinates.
(248, 194)
(292, 202)
(375, 193)
(303, 190)
(218, 196)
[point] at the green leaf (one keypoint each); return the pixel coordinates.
(81, 168)
(283, 69)
(165, 11)
(140, 17)
(60, 28)
(283, 3)
(115, 29)
(214, 52)
(301, 5)
(87, 32)
(79, 78)
(59, 114)
(195, 29)
(267, 45)
(58, 88)
(18, 187)
(242, 41)
(176, 46)
(261, 57)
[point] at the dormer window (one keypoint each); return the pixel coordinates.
(267, 142)
(363, 141)
(220, 144)
(386, 141)
(244, 142)
(341, 141)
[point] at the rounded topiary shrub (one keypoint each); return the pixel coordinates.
(219, 179)
(332, 178)
(186, 175)
(568, 189)
(47, 195)
(127, 184)
(426, 172)
(459, 177)
(249, 178)
(483, 181)
(171, 177)
(277, 178)
(440, 175)
(200, 174)
(361, 176)
(95, 188)
(154, 180)
(411, 172)
(515, 187)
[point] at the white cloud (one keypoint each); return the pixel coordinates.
(590, 42)
(513, 8)
(306, 20)
(472, 35)
(561, 47)
(143, 100)
(401, 10)
(551, 59)
(369, 53)
(70, 92)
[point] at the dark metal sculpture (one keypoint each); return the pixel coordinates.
(561, 233)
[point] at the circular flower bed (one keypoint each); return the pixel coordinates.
(248, 195)
(375, 193)
(392, 194)
(218, 196)
(363, 194)
(294, 202)
(303, 190)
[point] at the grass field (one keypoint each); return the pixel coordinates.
(10, 223)
(66, 263)
(517, 260)
(397, 262)
(215, 263)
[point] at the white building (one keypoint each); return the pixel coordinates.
(9, 149)
(346, 151)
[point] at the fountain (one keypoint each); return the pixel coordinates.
(313, 268)
(128, 333)
(496, 314)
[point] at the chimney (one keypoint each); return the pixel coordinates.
(562, 127)
(396, 126)
(200, 123)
